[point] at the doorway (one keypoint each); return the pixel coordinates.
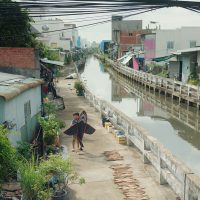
(180, 70)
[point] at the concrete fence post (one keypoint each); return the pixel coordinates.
(90, 101)
(145, 149)
(162, 179)
(96, 103)
(128, 141)
(100, 106)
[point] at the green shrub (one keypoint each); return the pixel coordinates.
(194, 82)
(49, 108)
(24, 150)
(50, 127)
(78, 86)
(8, 161)
(68, 59)
(61, 123)
(32, 182)
(35, 179)
(58, 167)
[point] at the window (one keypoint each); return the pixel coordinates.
(193, 43)
(170, 45)
(130, 34)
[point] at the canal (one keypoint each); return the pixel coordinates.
(176, 127)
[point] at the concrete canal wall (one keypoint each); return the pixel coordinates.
(184, 92)
(171, 171)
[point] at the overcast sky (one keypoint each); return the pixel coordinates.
(168, 18)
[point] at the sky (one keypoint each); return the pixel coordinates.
(168, 18)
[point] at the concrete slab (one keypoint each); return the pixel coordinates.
(92, 164)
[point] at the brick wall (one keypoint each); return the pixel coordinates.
(23, 58)
(130, 37)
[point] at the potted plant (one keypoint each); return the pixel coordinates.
(49, 108)
(51, 129)
(79, 88)
(32, 182)
(58, 172)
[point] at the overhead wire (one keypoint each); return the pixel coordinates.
(81, 26)
(52, 8)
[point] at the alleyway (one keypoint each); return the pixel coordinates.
(94, 167)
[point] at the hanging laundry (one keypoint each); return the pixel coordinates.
(135, 64)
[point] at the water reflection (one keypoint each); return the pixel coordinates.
(174, 126)
(118, 92)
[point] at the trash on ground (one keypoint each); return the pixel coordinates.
(113, 156)
(130, 186)
(72, 76)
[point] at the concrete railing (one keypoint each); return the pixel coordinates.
(182, 114)
(190, 93)
(171, 171)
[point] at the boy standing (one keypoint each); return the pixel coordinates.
(75, 120)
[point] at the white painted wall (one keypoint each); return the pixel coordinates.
(14, 110)
(181, 38)
(185, 68)
(72, 34)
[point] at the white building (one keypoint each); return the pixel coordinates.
(58, 34)
(186, 61)
(72, 33)
(20, 105)
(161, 43)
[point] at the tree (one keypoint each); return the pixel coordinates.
(15, 28)
(68, 59)
(45, 52)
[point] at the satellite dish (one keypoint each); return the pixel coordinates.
(45, 27)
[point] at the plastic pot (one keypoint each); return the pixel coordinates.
(62, 196)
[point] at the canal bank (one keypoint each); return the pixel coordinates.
(185, 93)
(93, 165)
(181, 178)
(182, 140)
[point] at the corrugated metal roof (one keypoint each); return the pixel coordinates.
(12, 85)
(53, 62)
(186, 50)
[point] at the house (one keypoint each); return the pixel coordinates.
(185, 62)
(20, 105)
(55, 33)
(161, 43)
(126, 34)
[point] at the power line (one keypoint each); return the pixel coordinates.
(125, 16)
(81, 26)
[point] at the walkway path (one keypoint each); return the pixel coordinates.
(93, 165)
